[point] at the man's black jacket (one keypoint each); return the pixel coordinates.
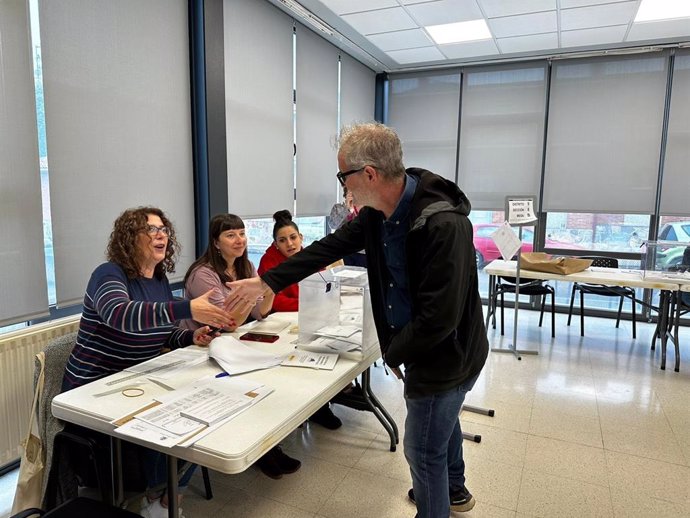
(445, 342)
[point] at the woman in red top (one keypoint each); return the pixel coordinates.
(287, 241)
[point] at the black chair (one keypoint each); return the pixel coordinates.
(605, 291)
(79, 507)
(529, 287)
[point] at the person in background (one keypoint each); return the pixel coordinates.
(129, 317)
(225, 260)
(425, 299)
(358, 258)
(287, 241)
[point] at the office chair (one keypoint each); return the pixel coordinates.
(605, 291)
(527, 287)
(78, 507)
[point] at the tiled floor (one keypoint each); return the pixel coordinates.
(589, 427)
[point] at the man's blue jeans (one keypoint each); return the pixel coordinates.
(433, 449)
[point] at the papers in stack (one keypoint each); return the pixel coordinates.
(348, 274)
(311, 359)
(268, 326)
(236, 357)
(344, 333)
(185, 416)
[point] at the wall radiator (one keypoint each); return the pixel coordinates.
(17, 350)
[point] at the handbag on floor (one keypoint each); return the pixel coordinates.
(31, 469)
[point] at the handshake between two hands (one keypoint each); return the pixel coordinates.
(243, 296)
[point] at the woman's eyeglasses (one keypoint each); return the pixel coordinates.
(152, 230)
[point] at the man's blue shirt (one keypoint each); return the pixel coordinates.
(395, 228)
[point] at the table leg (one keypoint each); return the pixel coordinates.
(117, 493)
(489, 308)
(173, 505)
(378, 410)
(664, 302)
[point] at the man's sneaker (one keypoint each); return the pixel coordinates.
(460, 501)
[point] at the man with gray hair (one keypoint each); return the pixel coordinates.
(425, 299)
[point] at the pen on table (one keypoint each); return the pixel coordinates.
(222, 375)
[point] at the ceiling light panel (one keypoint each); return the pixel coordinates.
(381, 20)
(496, 8)
(531, 43)
(598, 16)
(524, 24)
(659, 30)
(662, 10)
(355, 6)
(445, 11)
(397, 40)
(457, 32)
(595, 36)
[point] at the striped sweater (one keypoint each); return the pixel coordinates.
(124, 322)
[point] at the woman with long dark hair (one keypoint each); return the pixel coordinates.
(226, 260)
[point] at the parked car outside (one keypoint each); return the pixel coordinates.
(486, 250)
(673, 256)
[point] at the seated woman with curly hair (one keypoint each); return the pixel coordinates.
(129, 316)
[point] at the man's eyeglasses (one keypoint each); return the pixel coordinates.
(153, 230)
(342, 175)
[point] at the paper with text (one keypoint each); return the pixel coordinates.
(521, 212)
(310, 359)
(507, 242)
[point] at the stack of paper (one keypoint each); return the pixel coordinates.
(184, 416)
(236, 357)
(344, 333)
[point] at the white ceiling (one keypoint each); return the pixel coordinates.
(388, 35)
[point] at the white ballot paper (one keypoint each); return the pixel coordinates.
(507, 242)
(236, 357)
(310, 359)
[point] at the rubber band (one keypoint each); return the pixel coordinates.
(133, 392)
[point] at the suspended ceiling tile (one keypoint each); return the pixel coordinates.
(595, 36)
(355, 6)
(528, 43)
(566, 4)
(397, 40)
(382, 20)
(523, 24)
(598, 16)
(495, 8)
(661, 29)
(445, 11)
(470, 49)
(415, 55)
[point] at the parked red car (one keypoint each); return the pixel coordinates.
(486, 250)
